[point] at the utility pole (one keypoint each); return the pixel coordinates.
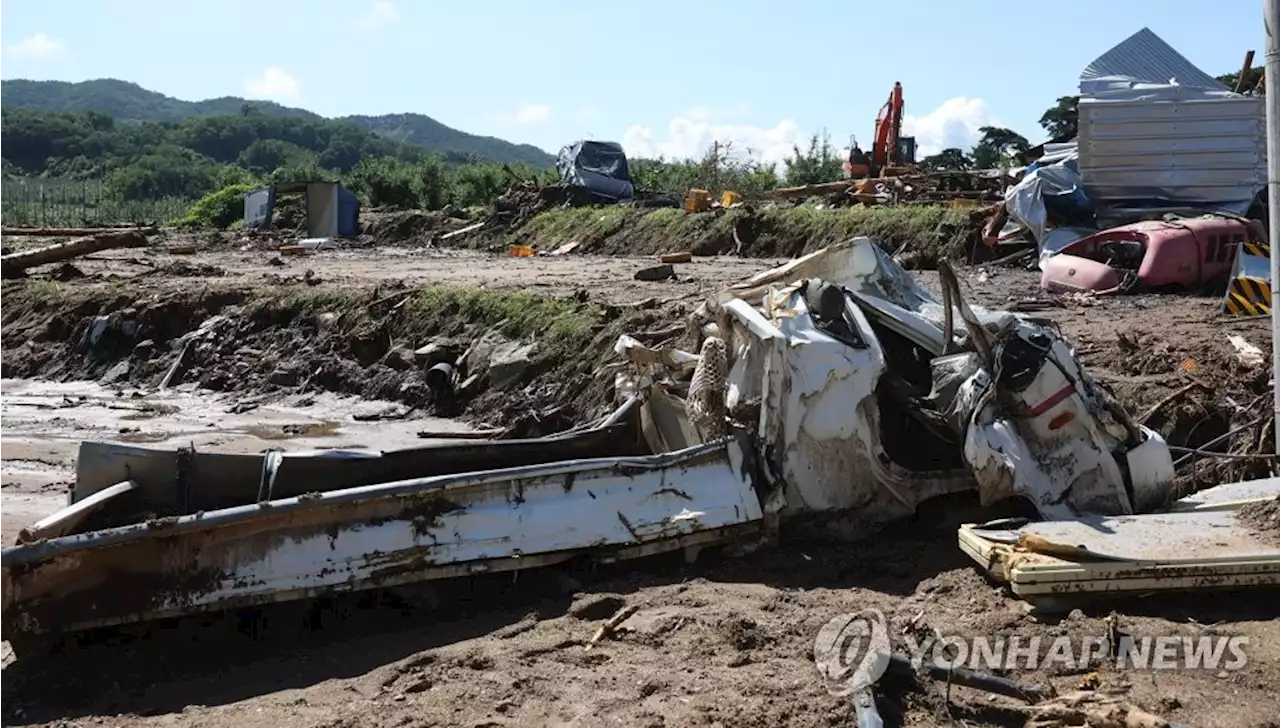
(1271, 16)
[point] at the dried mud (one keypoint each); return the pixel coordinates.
(1263, 518)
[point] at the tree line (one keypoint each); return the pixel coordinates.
(199, 156)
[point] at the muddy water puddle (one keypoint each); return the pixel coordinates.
(43, 424)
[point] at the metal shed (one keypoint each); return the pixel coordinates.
(1153, 127)
(332, 210)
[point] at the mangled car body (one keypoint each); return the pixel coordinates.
(1176, 253)
(834, 388)
(866, 396)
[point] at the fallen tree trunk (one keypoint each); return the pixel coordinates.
(15, 265)
(72, 232)
(826, 188)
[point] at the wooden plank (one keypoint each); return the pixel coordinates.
(1164, 552)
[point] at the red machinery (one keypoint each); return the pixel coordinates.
(891, 153)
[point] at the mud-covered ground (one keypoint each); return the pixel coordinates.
(725, 641)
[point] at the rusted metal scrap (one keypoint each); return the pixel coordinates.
(15, 265)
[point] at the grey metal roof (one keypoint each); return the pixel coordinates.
(1143, 57)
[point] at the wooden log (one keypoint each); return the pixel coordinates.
(64, 521)
(53, 232)
(15, 264)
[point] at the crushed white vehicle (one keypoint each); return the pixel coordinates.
(866, 395)
(834, 386)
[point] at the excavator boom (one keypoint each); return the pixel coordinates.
(884, 151)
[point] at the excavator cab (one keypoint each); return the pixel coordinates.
(858, 165)
(891, 153)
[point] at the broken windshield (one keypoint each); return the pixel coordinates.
(604, 160)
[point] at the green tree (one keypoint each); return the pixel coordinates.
(952, 158)
(266, 155)
(997, 146)
(386, 182)
(1230, 79)
(1062, 120)
(434, 184)
(168, 172)
(819, 163)
(478, 184)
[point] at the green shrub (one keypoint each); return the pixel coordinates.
(218, 210)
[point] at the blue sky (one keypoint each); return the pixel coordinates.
(662, 77)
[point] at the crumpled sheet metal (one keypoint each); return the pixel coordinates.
(820, 420)
(818, 425)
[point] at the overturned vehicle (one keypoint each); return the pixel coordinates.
(833, 388)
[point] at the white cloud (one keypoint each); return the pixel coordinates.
(589, 112)
(381, 13)
(690, 139)
(39, 45)
(274, 84)
(709, 113)
(953, 124)
(533, 114)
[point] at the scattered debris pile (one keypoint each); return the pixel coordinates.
(846, 397)
(523, 200)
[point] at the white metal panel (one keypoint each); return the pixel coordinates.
(1205, 151)
(391, 533)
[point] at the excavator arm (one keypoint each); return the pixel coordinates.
(884, 151)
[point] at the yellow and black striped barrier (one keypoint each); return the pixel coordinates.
(1249, 289)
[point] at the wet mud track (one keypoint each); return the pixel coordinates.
(725, 641)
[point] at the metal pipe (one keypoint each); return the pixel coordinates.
(1271, 77)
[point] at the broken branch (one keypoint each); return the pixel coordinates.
(1167, 400)
(608, 627)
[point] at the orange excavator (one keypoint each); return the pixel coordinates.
(891, 153)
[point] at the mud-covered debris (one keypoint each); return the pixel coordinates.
(1089, 708)
(183, 269)
(664, 272)
(399, 358)
(1263, 518)
(66, 272)
(509, 362)
(597, 607)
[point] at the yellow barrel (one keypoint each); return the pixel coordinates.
(698, 201)
(728, 198)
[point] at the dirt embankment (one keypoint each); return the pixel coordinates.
(922, 233)
(533, 359)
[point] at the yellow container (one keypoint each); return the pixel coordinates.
(520, 251)
(729, 198)
(698, 201)
(963, 204)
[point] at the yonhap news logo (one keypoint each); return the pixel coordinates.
(852, 651)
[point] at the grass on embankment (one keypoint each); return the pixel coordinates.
(929, 231)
